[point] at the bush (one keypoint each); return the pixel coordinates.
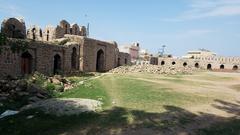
(50, 87)
(59, 88)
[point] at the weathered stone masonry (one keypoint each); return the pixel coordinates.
(211, 63)
(80, 53)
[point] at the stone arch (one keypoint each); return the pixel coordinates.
(162, 63)
(196, 65)
(26, 63)
(125, 61)
(74, 58)
(57, 64)
(75, 29)
(209, 66)
(14, 28)
(40, 33)
(173, 63)
(185, 64)
(47, 35)
(66, 26)
(222, 66)
(100, 62)
(33, 33)
(235, 67)
(83, 31)
(119, 62)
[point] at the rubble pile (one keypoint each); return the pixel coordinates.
(33, 89)
(153, 69)
(19, 89)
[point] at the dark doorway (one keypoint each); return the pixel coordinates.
(196, 65)
(221, 66)
(184, 64)
(74, 58)
(34, 33)
(26, 63)
(100, 61)
(209, 67)
(47, 35)
(118, 62)
(125, 61)
(163, 63)
(57, 64)
(173, 63)
(235, 67)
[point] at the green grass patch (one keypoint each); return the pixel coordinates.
(148, 96)
(90, 89)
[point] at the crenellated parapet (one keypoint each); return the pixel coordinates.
(15, 28)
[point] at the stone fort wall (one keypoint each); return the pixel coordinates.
(214, 63)
(80, 53)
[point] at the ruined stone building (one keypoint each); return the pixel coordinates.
(61, 49)
(203, 59)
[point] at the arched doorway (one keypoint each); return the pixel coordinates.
(196, 65)
(125, 61)
(26, 63)
(221, 66)
(100, 61)
(47, 35)
(74, 58)
(163, 63)
(209, 67)
(34, 33)
(173, 63)
(118, 62)
(57, 64)
(185, 64)
(235, 67)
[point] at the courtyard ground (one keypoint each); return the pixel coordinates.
(143, 104)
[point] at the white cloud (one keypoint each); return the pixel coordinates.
(208, 8)
(10, 9)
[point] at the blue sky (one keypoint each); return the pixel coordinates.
(182, 25)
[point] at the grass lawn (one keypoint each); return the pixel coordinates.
(135, 102)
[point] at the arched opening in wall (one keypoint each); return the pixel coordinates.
(235, 67)
(162, 63)
(185, 64)
(125, 61)
(33, 33)
(221, 66)
(196, 65)
(74, 58)
(40, 32)
(26, 63)
(76, 31)
(57, 64)
(12, 29)
(66, 29)
(71, 31)
(118, 62)
(173, 63)
(47, 35)
(100, 61)
(209, 67)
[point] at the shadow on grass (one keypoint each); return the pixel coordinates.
(120, 120)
